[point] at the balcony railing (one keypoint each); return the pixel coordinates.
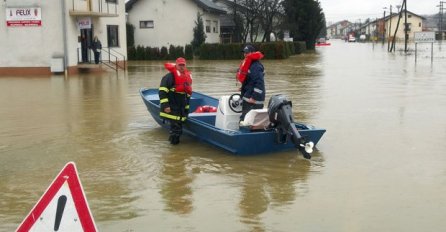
(99, 8)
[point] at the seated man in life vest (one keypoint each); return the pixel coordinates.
(174, 92)
(251, 74)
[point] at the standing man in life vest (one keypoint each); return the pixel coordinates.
(174, 92)
(251, 74)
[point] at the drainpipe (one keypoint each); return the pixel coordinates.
(64, 29)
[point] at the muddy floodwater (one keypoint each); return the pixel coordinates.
(381, 165)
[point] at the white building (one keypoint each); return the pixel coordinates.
(339, 30)
(161, 23)
(37, 36)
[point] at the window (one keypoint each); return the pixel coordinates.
(408, 26)
(112, 1)
(146, 24)
(113, 35)
(215, 27)
(208, 26)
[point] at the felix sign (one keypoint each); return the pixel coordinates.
(84, 23)
(23, 17)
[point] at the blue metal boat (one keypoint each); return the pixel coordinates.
(242, 141)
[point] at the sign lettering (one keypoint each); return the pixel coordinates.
(424, 37)
(84, 23)
(23, 17)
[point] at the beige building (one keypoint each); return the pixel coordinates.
(41, 37)
(161, 23)
(414, 24)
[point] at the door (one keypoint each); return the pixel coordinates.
(86, 39)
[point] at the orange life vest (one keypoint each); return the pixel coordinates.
(246, 63)
(183, 81)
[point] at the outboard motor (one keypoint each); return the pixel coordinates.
(281, 118)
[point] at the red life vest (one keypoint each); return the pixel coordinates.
(205, 109)
(246, 63)
(183, 81)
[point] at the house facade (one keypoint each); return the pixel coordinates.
(369, 31)
(383, 29)
(161, 23)
(414, 24)
(339, 30)
(227, 24)
(41, 37)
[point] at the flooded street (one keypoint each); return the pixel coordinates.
(381, 165)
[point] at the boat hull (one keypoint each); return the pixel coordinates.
(243, 141)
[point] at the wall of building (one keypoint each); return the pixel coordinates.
(212, 36)
(416, 26)
(34, 47)
(31, 46)
(173, 22)
(100, 30)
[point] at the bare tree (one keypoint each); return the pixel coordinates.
(246, 15)
(254, 18)
(270, 17)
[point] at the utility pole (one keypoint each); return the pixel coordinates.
(390, 29)
(400, 15)
(441, 19)
(384, 25)
(406, 27)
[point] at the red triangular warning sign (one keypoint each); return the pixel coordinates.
(63, 206)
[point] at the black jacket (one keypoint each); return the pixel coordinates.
(178, 102)
(96, 45)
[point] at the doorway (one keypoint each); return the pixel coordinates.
(86, 38)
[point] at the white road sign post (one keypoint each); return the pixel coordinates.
(425, 37)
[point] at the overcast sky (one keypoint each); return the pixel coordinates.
(353, 10)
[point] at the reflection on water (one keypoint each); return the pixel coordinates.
(384, 148)
(264, 182)
(176, 181)
(273, 186)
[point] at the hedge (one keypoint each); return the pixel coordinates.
(271, 50)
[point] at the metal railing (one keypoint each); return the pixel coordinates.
(113, 61)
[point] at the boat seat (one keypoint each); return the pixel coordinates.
(256, 120)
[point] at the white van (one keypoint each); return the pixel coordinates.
(351, 38)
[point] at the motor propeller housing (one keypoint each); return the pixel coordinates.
(281, 118)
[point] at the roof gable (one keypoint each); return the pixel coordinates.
(210, 6)
(408, 12)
